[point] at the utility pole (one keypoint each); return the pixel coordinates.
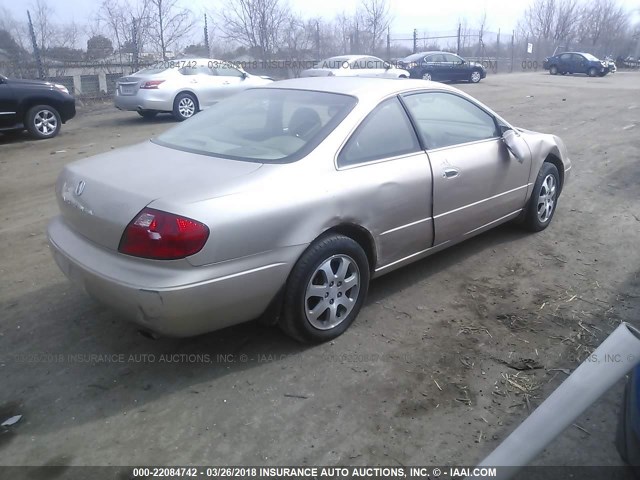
(459, 31)
(206, 36)
(497, 52)
(36, 50)
(134, 41)
(415, 40)
(513, 40)
(388, 44)
(317, 39)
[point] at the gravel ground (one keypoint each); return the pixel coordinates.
(423, 377)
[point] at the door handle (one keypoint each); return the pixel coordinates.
(450, 173)
(225, 83)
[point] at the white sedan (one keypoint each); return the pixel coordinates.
(182, 87)
(355, 66)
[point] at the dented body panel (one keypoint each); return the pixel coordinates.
(262, 217)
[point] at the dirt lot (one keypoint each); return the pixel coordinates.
(420, 378)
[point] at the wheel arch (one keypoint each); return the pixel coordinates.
(361, 236)
(31, 102)
(190, 92)
(554, 158)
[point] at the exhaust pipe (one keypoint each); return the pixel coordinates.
(611, 361)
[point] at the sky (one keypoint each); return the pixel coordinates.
(427, 16)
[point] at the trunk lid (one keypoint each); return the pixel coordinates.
(130, 84)
(100, 195)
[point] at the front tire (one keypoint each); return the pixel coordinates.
(326, 289)
(553, 70)
(475, 76)
(43, 121)
(185, 106)
(592, 72)
(544, 199)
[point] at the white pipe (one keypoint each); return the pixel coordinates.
(618, 354)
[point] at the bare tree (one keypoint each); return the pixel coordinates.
(169, 24)
(376, 19)
(255, 24)
(43, 26)
(128, 23)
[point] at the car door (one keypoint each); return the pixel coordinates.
(565, 63)
(388, 179)
(8, 105)
(231, 80)
(370, 67)
(476, 180)
(459, 68)
(580, 64)
(434, 64)
(203, 81)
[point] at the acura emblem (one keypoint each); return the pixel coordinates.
(80, 188)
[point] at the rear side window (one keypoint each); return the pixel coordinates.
(385, 133)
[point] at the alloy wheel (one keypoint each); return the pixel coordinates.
(186, 107)
(45, 122)
(332, 292)
(547, 199)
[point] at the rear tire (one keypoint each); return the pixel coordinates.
(43, 121)
(427, 76)
(325, 290)
(185, 106)
(544, 199)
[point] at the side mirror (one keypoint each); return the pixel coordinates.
(244, 75)
(516, 144)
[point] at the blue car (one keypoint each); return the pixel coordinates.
(575, 62)
(442, 66)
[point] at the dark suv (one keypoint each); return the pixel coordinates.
(442, 66)
(35, 105)
(575, 62)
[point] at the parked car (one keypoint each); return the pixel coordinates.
(37, 106)
(443, 66)
(575, 62)
(628, 431)
(355, 66)
(182, 87)
(283, 201)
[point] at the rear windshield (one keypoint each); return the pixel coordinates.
(336, 62)
(261, 125)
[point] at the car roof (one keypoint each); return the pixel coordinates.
(430, 52)
(358, 86)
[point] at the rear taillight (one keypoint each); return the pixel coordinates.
(151, 84)
(163, 236)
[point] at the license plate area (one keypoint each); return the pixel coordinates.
(127, 89)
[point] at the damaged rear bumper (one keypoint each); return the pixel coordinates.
(172, 298)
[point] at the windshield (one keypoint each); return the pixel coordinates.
(590, 57)
(261, 125)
